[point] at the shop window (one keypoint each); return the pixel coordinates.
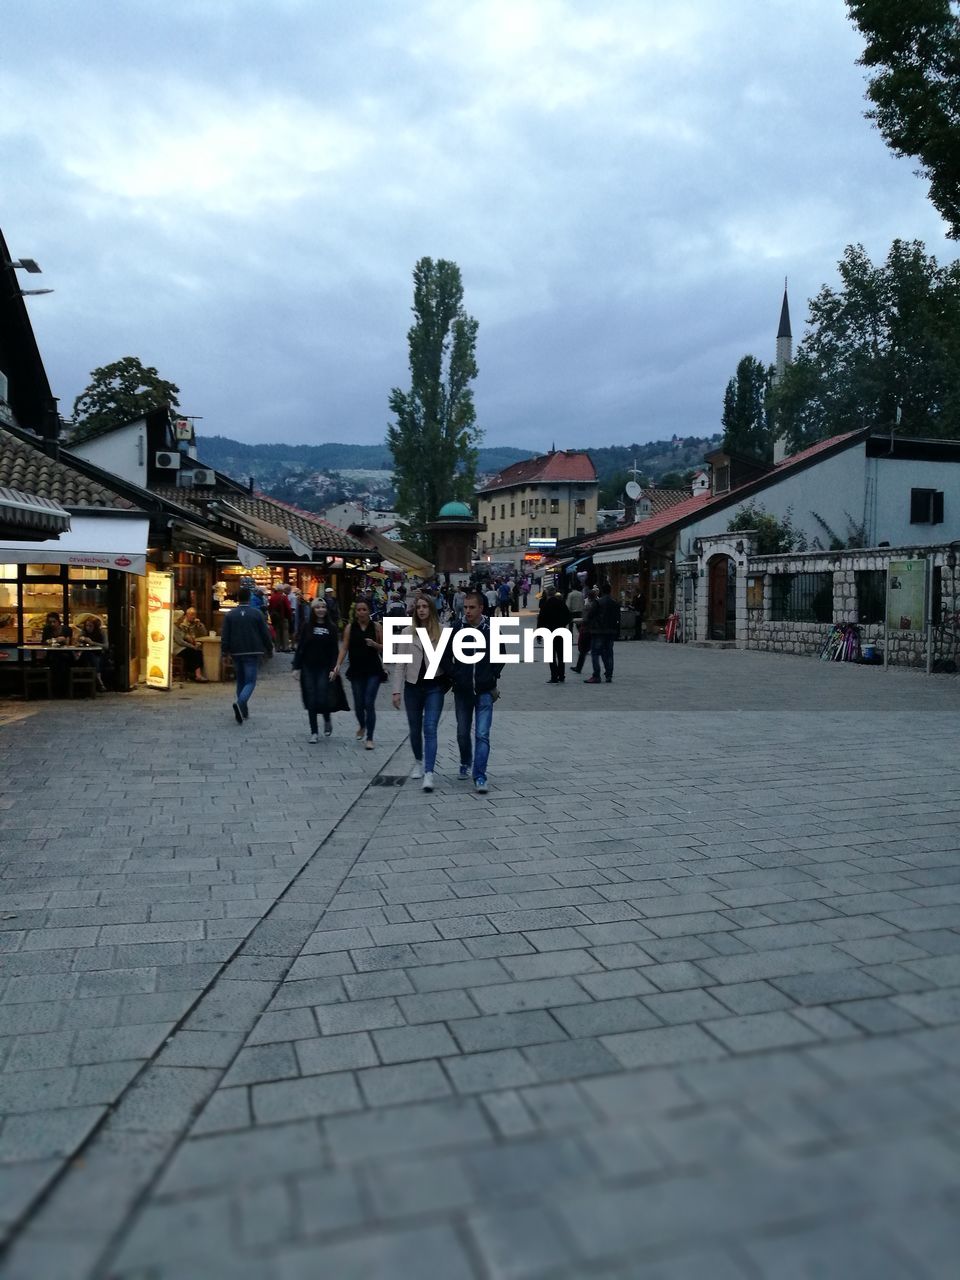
(87, 597)
(926, 506)
(39, 599)
(8, 608)
(871, 594)
(802, 597)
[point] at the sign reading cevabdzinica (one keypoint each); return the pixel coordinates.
(159, 629)
(906, 595)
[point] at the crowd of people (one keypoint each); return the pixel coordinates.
(327, 647)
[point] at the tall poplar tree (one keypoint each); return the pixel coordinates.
(746, 425)
(434, 438)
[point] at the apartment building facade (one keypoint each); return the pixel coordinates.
(553, 496)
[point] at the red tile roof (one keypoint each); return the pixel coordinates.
(549, 468)
(23, 466)
(694, 505)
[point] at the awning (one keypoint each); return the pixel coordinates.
(28, 516)
(93, 542)
(620, 556)
(397, 553)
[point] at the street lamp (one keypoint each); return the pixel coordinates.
(31, 266)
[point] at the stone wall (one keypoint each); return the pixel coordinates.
(904, 648)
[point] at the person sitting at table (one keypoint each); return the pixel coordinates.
(187, 631)
(54, 630)
(91, 634)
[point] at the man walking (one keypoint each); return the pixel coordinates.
(474, 693)
(575, 605)
(246, 638)
(604, 628)
(554, 615)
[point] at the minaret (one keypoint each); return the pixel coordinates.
(784, 339)
(783, 358)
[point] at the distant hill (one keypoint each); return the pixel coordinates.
(316, 476)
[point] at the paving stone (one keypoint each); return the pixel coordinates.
(436, 1006)
(263, 1062)
(406, 1082)
(604, 1017)
(537, 993)
(684, 1006)
(243, 1158)
(518, 1243)
(824, 988)
(318, 1095)
(662, 1045)
(381, 1255)
(497, 1069)
(424, 1126)
(358, 1015)
(406, 1044)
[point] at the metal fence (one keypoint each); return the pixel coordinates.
(802, 597)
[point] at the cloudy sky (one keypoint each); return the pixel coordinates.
(236, 191)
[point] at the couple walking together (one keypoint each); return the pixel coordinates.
(474, 693)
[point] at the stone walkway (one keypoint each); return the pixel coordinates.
(679, 998)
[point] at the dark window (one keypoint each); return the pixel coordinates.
(802, 597)
(871, 594)
(554, 506)
(926, 506)
(721, 479)
(580, 506)
(554, 533)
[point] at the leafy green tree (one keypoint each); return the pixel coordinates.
(434, 438)
(886, 340)
(118, 393)
(773, 536)
(746, 425)
(913, 47)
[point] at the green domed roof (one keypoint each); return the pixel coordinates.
(455, 511)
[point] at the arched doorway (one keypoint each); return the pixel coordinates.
(722, 618)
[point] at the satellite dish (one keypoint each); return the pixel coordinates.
(633, 490)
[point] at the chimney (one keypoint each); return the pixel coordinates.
(50, 430)
(250, 484)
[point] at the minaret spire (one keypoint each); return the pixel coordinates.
(783, 358)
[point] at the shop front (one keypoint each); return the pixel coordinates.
(90, 572)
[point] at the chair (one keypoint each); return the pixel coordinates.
(176, 667)
(83, 678)
(36, 676)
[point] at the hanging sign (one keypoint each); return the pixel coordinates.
(159, 629)
(906, 595)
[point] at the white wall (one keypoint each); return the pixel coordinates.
(123, 453)
(895, 477)
(832, 488)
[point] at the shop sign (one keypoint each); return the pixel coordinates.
(159, 629)
(906, 595)
(96, 560)
(546, 543)
(183, 430)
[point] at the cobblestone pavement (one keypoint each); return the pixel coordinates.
(679, 998)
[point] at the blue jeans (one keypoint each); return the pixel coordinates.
(602, 647)
(423, 704)
(246, 666)
(365, 690)
(474, 706)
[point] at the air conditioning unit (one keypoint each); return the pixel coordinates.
(204, 476)
(168, 461)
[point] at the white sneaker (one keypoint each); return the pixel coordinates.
(428, 782)
(417, 771)
(314, 737)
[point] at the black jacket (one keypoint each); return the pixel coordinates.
(245, 632)
(477, 677)
(553, 613)
(604, 617)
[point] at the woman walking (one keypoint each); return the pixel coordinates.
(363, 642)
(422, 698)
(314, 663)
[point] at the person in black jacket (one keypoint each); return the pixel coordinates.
(604, 628)
(555, 616)
(474, 693)
(246, 638)
(313, 662)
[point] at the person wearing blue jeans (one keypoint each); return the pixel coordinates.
(245, 638)
(422, 698)
(363, 642)
(474, 693)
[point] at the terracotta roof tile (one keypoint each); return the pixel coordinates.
(24, 466)
(693, 506)
(311, 529)
(550, 468)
